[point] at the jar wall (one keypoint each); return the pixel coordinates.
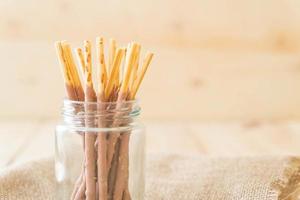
(124, 161)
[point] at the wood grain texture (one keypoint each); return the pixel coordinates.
(227, 59)
(14, 138)
(30, 140)
(194, 84)
(256, 23)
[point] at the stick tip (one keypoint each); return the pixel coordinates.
(100, 39)
(57, 42)
(112, 40)
(78, 49)
(64, 42)
(58, 45)
(150, 54)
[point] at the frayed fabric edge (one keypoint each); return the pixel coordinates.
(288, 186)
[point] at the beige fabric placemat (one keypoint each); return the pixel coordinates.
(172, 177)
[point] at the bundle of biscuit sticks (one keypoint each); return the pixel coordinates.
(118, 81)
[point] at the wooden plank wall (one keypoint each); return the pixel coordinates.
(215, 59)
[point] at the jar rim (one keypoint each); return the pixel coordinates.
(135, 101)
(80, 113)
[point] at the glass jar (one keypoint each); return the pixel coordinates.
(100, 151)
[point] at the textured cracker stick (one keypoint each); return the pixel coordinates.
(135, 67)
(78, 192)
(69, 83)
(101, 137)
(116, 65)
(81, 190)
(112, 152)
(123, 94)
(102, 162)
(126, 194)
(90, 137)
(112, 89)
(90, 153)
(116, 83)
(112, 173)
(103, 74)
(80, 58)
(72, 92)
(110, 94)
(123, 166)
(121, 153)
(130, 57)
(140, 77)
(112, 53)
(73, 70)
(102, 171)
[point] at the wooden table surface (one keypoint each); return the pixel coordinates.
(21, 141)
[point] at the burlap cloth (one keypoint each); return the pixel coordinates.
(174, 177)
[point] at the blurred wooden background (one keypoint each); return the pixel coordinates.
(215, 59)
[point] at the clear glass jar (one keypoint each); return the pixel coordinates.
(100, 151)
